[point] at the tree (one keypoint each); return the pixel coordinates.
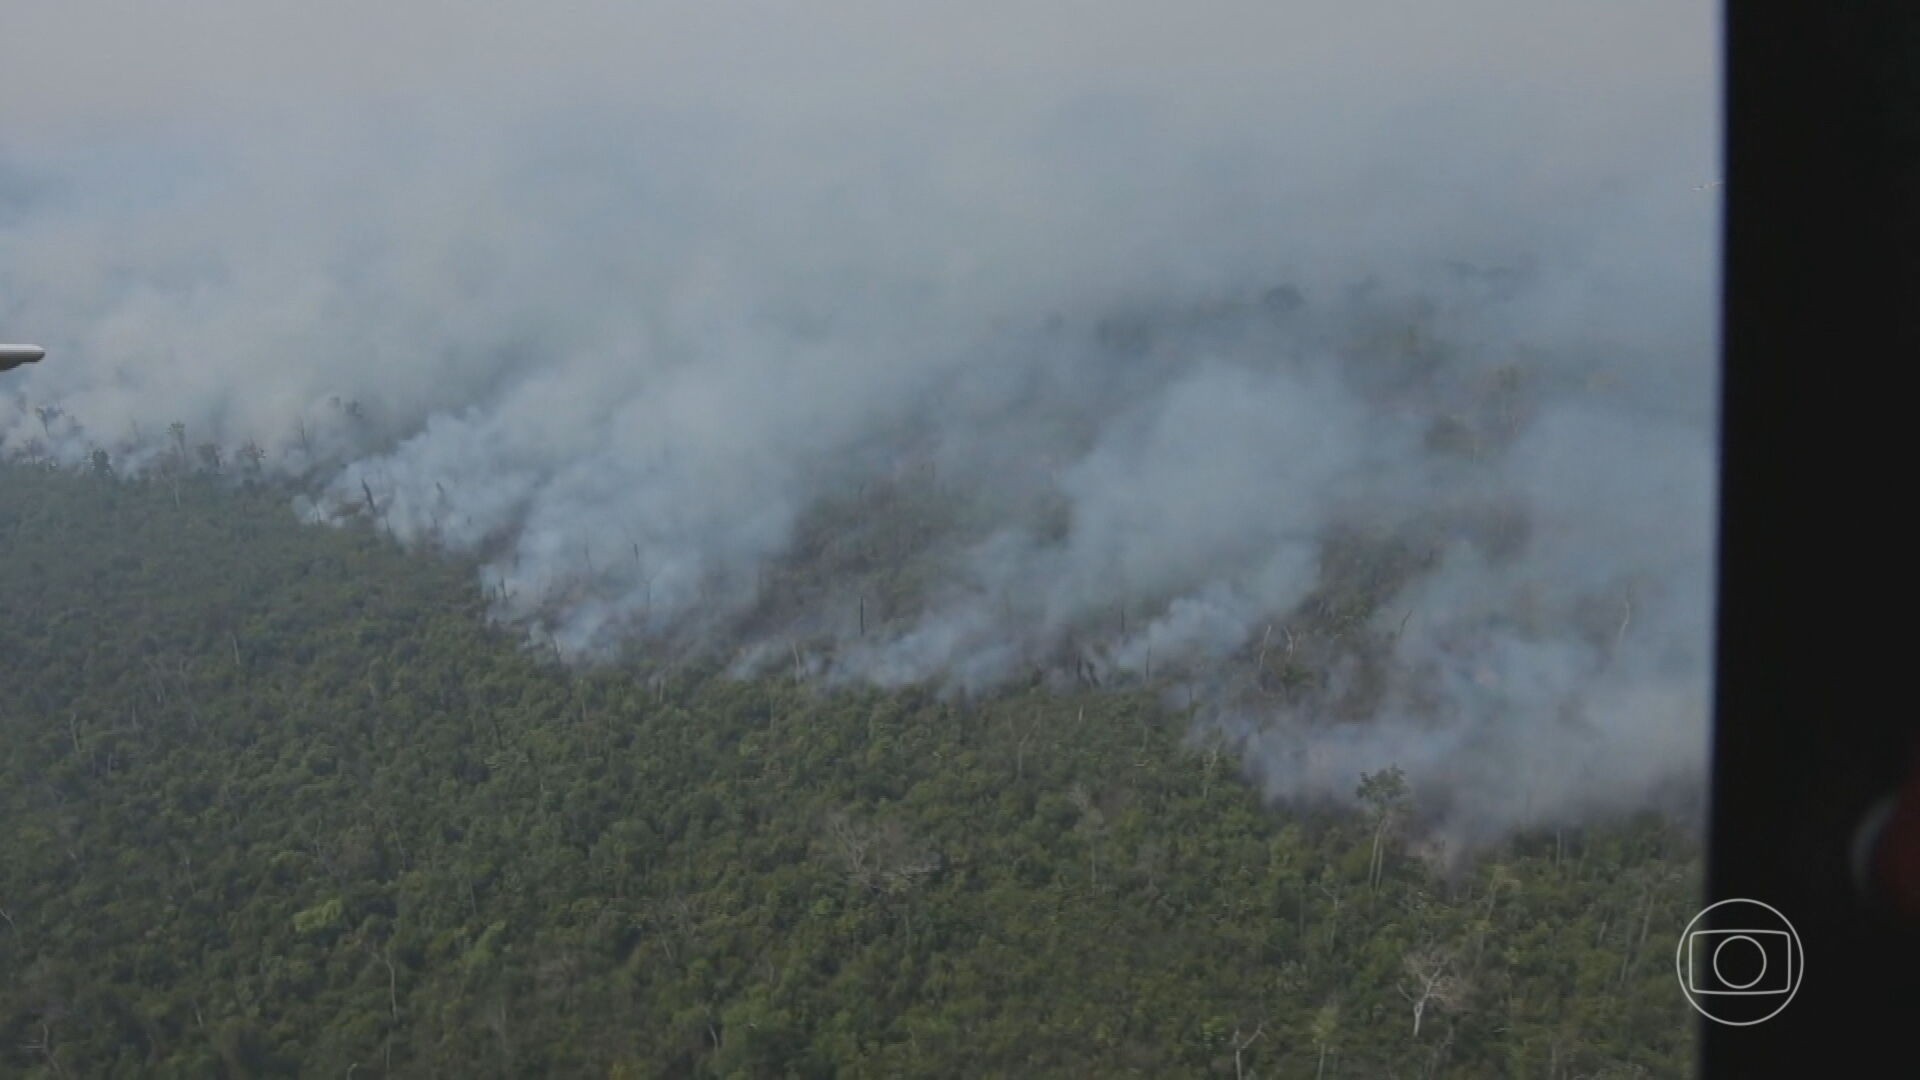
(1092, 826)
(1240, 1046)
(1431, 981)
(1325, 1029)
(1386, 797)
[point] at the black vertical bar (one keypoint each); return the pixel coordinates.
(1815, 702)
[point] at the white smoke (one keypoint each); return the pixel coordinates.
(1082, 338)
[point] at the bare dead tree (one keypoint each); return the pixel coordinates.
(1636, 946)
(1432, 982)
(850, 845)
(1020, 749)
(879, 860)
(1326, 1027)
(393, 983)
(1240, 1047)
(903, 864)
(1501, 875)
(44, 1044)
(1216, 746)
(1336, 900)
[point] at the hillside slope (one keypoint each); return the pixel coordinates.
(279, 801)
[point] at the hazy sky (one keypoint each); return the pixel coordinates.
(75, 59)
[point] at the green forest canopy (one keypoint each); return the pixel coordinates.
(278, 800)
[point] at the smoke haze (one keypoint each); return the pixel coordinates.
(1344, 368)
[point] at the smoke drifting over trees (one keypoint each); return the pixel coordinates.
(1346, 370)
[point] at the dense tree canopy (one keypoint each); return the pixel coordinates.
(278, 800)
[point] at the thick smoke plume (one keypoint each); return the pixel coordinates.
(1345, 369)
